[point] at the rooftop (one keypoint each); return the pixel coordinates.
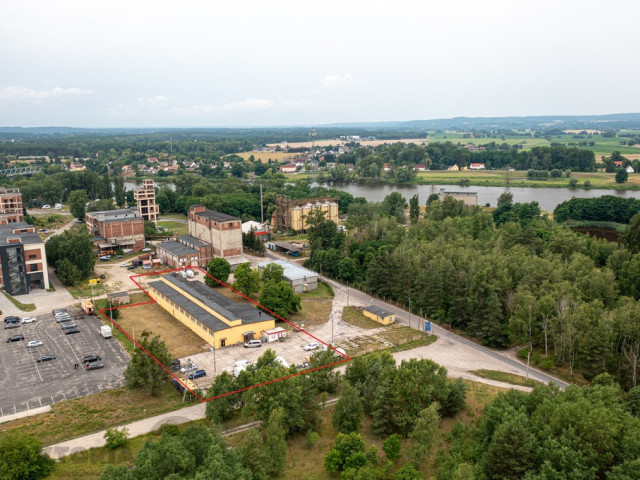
(291, 271)
(194, 241)
(176, 248)
(115, 215)
(381, 312)
(216, 216)
(224, 306)
(7, 231)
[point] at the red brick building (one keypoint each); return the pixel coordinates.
(114, 229)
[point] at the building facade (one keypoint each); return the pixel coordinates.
(146, 198)
(23, 262)
(291, 214)
(177, 255)
(115, 229)
(11, 206)
(468, 198)
(379, 315)
(218, 320)
(223, 232)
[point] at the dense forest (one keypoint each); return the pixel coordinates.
(607, 208)
(507, 278)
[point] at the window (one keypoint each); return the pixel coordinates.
(32, 256)
(33, 267)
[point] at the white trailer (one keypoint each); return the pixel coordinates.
(105, 331)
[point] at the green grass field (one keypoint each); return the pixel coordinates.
(177, 228)
(498, 178)
(602, 146)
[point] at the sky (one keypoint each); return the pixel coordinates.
(140, 63)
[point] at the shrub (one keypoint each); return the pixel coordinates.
(310, 439)
(523, 353)
(546, 363)
(116, 438)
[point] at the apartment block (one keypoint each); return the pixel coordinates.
(23, 262)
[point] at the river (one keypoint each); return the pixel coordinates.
(547, 198)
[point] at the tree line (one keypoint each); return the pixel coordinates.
(607, 208)
(513, 277)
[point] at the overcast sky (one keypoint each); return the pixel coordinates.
(138, 63)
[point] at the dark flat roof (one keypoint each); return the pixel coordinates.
(176, 248)
(195, 241)
(381, 312)
(6, 232)
(212, 299)
(216, 216)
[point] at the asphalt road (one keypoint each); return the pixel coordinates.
(26, 384)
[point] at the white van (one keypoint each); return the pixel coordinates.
(252, 344)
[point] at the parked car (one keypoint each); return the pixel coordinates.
(105, 258)
(197, 374)
(124, 264)
(71, 330)
(189, 368)
(63, 319)
(28, 319)
(102, 276)
(175, 365)
(90, 358)
(15, 338)
(46, 207)
(253, 344)
(45, 358)
(146, 249)
(67, 326)
(34, 343)
(131, 267)
(311, 346)
(58, 310)
(10, 325)
(11, 318)
(94, 366)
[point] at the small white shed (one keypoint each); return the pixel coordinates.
(274, 334)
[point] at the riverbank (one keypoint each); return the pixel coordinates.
(502, 178)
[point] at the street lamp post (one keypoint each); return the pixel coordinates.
(331, 315)
(409, 313)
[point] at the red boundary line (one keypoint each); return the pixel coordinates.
(303, 372)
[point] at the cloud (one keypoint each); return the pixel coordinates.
(329, 81)
(335, 79)
(235, 106)
(19, 93)
(156, 101)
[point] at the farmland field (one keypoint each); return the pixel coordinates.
(602, 145)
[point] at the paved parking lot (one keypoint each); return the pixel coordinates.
(291, 350)
(26, 384)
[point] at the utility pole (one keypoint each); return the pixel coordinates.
(409, 313)
(348, 289)
(261, 206)
(331, 316)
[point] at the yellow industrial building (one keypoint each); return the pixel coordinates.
(290, 214)
(216, 319)
(379, 315)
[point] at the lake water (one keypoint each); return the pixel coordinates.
(547, 198)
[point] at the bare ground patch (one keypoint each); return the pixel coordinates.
(180, 341)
